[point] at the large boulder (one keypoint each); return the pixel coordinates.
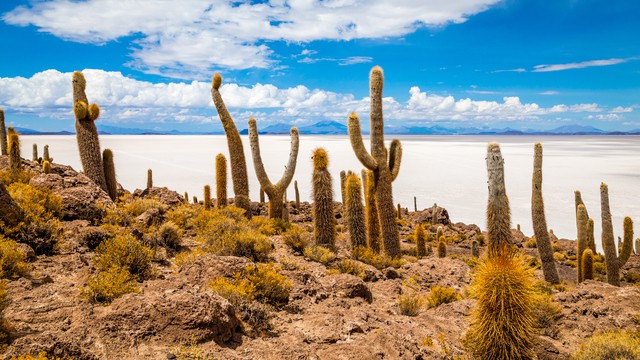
(162, 194)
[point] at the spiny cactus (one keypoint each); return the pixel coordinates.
(475, 249)
(149, 179)
(385, 164)
(578, 201)
(587, 265)
(274, 191)
(110, 174)
(581, 241)
(591, 241)
(638, 246)
(261, 196)
(45, 154)
(207, 197)
(186, 197)
(3, 134)
(221, 180)
(613, 261)
(195, 199)
(421, 241)
(236, 151)
(543, 243)
(498, 212)
(343, 180)
(415, 205)
(439, 233)
(285, 211)
(434, 214)
(46, 167)
(86, 132)
(355, 211)
(399, 212)
(371, 211)
(295, 188)
(324, 222)
(442, 247)
(34, 156)
(15, 161)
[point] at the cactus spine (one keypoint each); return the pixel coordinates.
(3, 134)
(613, 262)
(86, 132)
(207, 197)
(221, 180)
(543, 243)
(371, 210)
(274, 191)
(421, 241)
(355, 211)
(295, 188)
(587, 265)
(110, 174)
(46, 167)
(149, 179)
(236, 151)
(385, 167)
(498, 212)
(581, 241)
(34, 156)
(442, 247)
(15, 161)
(324, 222)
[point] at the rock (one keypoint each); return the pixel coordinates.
(426, 216)
(209, 266)
(162, 194)
(10, 212)
(92, 236)
(391, 273)
(63, 345)
(27, 251)
(348, 286)
(152, 216)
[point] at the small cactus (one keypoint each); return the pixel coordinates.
(46, 167)
(442, 247)
(295, 188)
(110, 174)
(195, 199)
(638, 246)
(3, 134)
(415, 204)
(34, 156)
(371, 212)
(581, 242)
(221, 180)
(45, 154)
(355, 212)
(434, 214)
(399, 212)
(15, 161)
(149, 179)
(324, 222)
(207, 197)
(439, 233)
(421, 241)
(587, 265)
(186, 197)
(591, 241)
(475, 249)
(613, 261)
(343, 180)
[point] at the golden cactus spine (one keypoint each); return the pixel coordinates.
(581, 241)
(86, 132)
(355, 211)
(149, 179)
(239, 176)
(324, 222)
(587, 265)
(15, 161)
(421, 241)
(275, 192)
(613, 261)
(295, 188)
(543, 242)
(110, 174)
(371, 211)
(207, 197)
(3, 134)
(442, 247)
(498, 212)
(221, 180)
(385, 167)
(46, 167)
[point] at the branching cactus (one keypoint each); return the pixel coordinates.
(15, 160)
(3, 134)
(324, 222)
(581, 241)
(149, 179)
(221, 180)
(421, 241)
(236, 151)
(385, 164)
(543, 242)
(613, 261)
(371, 211)
(110, 174)
(207, 197)
(275, 192)
(295, 188)
(86, 132)
(355, 211)
(498, 212)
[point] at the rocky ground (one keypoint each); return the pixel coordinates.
(328, 316)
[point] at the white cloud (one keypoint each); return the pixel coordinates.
(606, 117)
(510, 70)
(549, 92)
(199, 35)
(579, 65)
(621, 109)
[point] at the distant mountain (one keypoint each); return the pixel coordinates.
(576, 129)
(325, 128)
(116, 130)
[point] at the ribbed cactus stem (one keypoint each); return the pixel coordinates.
(439, 233)
(110, 174)
(86, 132)
(3, 134)
(587, 264)
(415, 205)
(261, 196)
(15, 161)
(543, 242)
(207, 197)
(323, 219)
(578, 201)
(295, 188)
(34, 156)
(627, 243)
(399, 212)
(610, 254)
(236, 151)
(442, 247)
(355, 211)
(371, 211)
(186, 197)
(421, 241)
(45, 154)
(274, 191)
(498, 212)
(221, 180)
(343, 180)
(46, 167)
(434, 214)
(149, 179)
(637, 251)
(195, 199)
(581, 241)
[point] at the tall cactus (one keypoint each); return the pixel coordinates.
(343, 181)
(261, 196)
(86, 132)
(613, 261)
(355, 211)
(385, 164)
(221, 180)
(442, 247)
(581, 241)
(295, 188)
(207, 197)
(274, 191)
(543, 242)
(149, 178)
(3, 134)
(324, 222)
(421, 241)
(45, 154)
(110, 174)
(587, 265)
(591, 241)
(498, 211)
(371, 211)
(15, 160)
(34, 156)
(236, 151)
(434, 214)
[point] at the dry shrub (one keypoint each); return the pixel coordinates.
(611, 345)
(170, 235)
(108, 285)
(320, 254)
(126, 252)
(13, 263)
(441, 295)
(296, 238)
(368, 256)
(410, 303)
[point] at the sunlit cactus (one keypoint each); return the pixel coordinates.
(110, 174)
(3, 134)
(587, 265)
(45, 154)
(442, 247)
(324, 222)
(274, 191)
(421, 241)
(475, 249)
(591, 240)
(295, 188)
(581, 241)
(15, 160)
(221, 180)
(434, 214)
(613, 261)
(371, 212)
(34, 156)
(186, 197)
(355, 211)
(207, 197)
(46, 167)
(498, 211)
(236, 151)
(343, 180)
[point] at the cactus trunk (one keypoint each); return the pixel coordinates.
(295, 188)
(581, 241)
(149, 179)
(608, 244)
(34, 156)
(324, 222)
(355, 212)
(442, 247)
(221, 180)
(207, 197)
(371, 211)
(3, 134)
(421, 241)
(498, 212)
(109, 173)
(15, 160)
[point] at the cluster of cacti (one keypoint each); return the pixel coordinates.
(371, 212)
(221, 180)
(276, 191)
(86, 132)
(236, 151)
(442, 247)
(207, 197)
(3, 134)
(149, 179)
(384, 163)
(355, 211)
(421, 241)
(295, 188)
(324, 222)
(613, 261)
(109, 174)
(543, 242)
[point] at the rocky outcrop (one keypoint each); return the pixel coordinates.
(162, 194)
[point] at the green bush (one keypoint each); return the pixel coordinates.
(126, 252)
(108, 285)
(618, 345)
(125, 212)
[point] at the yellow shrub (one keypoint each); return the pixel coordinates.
(125, 212)
(126, 252)
(41, 356)
(262, 282)
(558, 256)
(296, 238)
(368, 256)
(410, 303)
(187, 257)
(346, 266)
(108, 285)
(320, 254)
(441, 295)
(5, 329)
(268, 226)
(13, 263)
(618, 345)
(183, 215)
(169, 235)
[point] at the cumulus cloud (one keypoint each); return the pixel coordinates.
(197, 35)
(48, 94)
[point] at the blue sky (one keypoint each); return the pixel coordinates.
(526, 64)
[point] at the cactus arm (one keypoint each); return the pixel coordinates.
(355, 136)
(627, 243)
(376, 83)
(263, 178)
(290, 170)
(395, 158)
